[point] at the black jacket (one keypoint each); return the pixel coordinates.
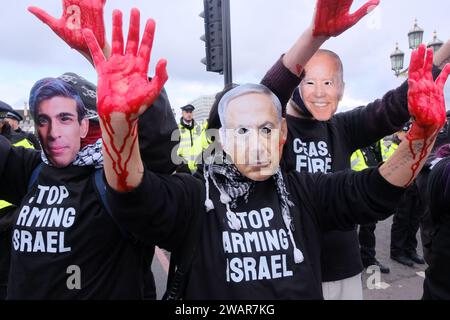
(437, 281)
(97, 245)
(61, 225)
(327, 146)
(257, 261)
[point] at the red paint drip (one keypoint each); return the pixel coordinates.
(120, 166)
(299, 69)
(124, 88)
(423, 155)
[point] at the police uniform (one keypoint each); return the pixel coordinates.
(193, 140)
(7, 209)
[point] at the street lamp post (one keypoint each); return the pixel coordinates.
(415, 39)
(397, 59)
(415, 36)
(435, 44)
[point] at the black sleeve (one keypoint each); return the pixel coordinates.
(16, 167)
(342, 200)
(161, 210)
(366, 125)
(183, 168)
(281, 81)
(156, 126)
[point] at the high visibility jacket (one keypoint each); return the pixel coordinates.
(22, 143)
(359, 161)
(192, 143)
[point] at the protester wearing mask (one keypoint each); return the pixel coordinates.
(237, 199)
(321, 140)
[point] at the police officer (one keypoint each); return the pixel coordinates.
(192, 140)
(13, 118)
(8, 119)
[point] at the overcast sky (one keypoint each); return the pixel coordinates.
(261, 31)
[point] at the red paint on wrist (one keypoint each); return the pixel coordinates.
(299, 69)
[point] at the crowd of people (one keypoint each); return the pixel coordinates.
(271, 210)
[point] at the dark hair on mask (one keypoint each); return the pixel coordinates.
(48, 88)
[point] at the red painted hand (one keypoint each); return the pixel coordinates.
(124, 91)
(333, 17)
(426, 104)
(77, 15)
(425, 97)
(123, 85)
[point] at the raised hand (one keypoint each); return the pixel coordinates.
(426, 104)
(332, 17)
(124, 92)
(425, 96)
(123, 84)
(77, 15)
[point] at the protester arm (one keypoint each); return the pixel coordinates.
(378, 119)
(427, 108)
(341, 200)
(347, 198)
(124, 93)
(160, 210)
(78, 15)
(387, 115)
(331, 18)
(156, 126)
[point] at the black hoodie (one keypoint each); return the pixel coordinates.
(327, 146)
(44, 255)
(255, 262)
(61, 232)
(437, 280)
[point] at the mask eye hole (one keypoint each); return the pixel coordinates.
(266, 131)
(242, 131)
(42, 121)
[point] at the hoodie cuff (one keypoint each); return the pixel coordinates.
(128, 200)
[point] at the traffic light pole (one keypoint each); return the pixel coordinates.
(226, 32)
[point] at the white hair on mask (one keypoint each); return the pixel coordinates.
(243, 90)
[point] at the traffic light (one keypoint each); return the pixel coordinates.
(213, 39)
